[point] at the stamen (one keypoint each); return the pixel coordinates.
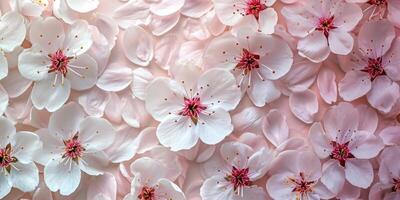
(193, 107)
(341, 152)
(147, 193)
(325, 25)
(73, 148)
(239, 178)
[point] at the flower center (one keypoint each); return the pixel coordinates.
(248, 61)
(40, 2)
(73, 148)
(396, 185)
(193, 108)
(341, 152)
(147, 193)
(59, 62)
(254, 7)
(325, 25)
(374, 68)
(377, 2)
(5, 157)
(239, 178)
(301, 185)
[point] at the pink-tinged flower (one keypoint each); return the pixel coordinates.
(372, 68)
(30, 8)
(12, 34)
(192, 106)
(16, 166)
(232, 12)
(255, 59)
(71, 143)
(322, 27)
(379, 9)
(348, 141)
(388, 186)
(57, 62)
(296, 176)
(232, 171)
(150, 182)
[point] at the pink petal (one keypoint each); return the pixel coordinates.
(327, 85)
(384, 94)
(304, 105)
(355, 84)
(314, 47)
(275, 127)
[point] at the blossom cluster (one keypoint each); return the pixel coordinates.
(199, 99)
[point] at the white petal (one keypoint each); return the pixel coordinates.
(218, 89)
(354, 85)
(226, 12)
(94, 101)
(275, 127)
(148, 170)
(115, 78)
(138, 45)
(7, 133)
(48, 34)
(383, 94)
(277, 187)
(164, 96)
(177, 132)
(3, 66)
(359, 173)
(365, 145)
(390, 135)
(15, 84)
(63, 11)
(93, 163)
(86, 67)
(327, 85)
(236, 154)
(65, 122)
(277, 60)
(12, 31)
(51, 147)
(262, 92)
(68, 170)
(83, 6)
(25, 144)
(221, 52)
(339, 120)
(166, 7)
(162, 24)
(96, 134)
(216, 188)
(304, 105)
(196, 8)
(213, 128)
(140, 81)
(4, 100)
(268, 19)
(247, 118)
(132, 13)
(333, 176)
(6, 183)
(314, 47)
(33, 65)
(318, 141)
(168, 190)
(45, 95)
(259, 163)
(25, 177)
(368, 121)
(78, 39)
(340, 42)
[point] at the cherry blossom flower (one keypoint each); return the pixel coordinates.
(232, 12)
(346, 139)
(255, 59)
(379, 9)
(322, 27)
(150, 183)
(372, 68)
(57, 62)
(12, 34)
(388, 186)
(71, 143)
(296, 176)
(192, 106)
(16, 166)
(232, 171)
